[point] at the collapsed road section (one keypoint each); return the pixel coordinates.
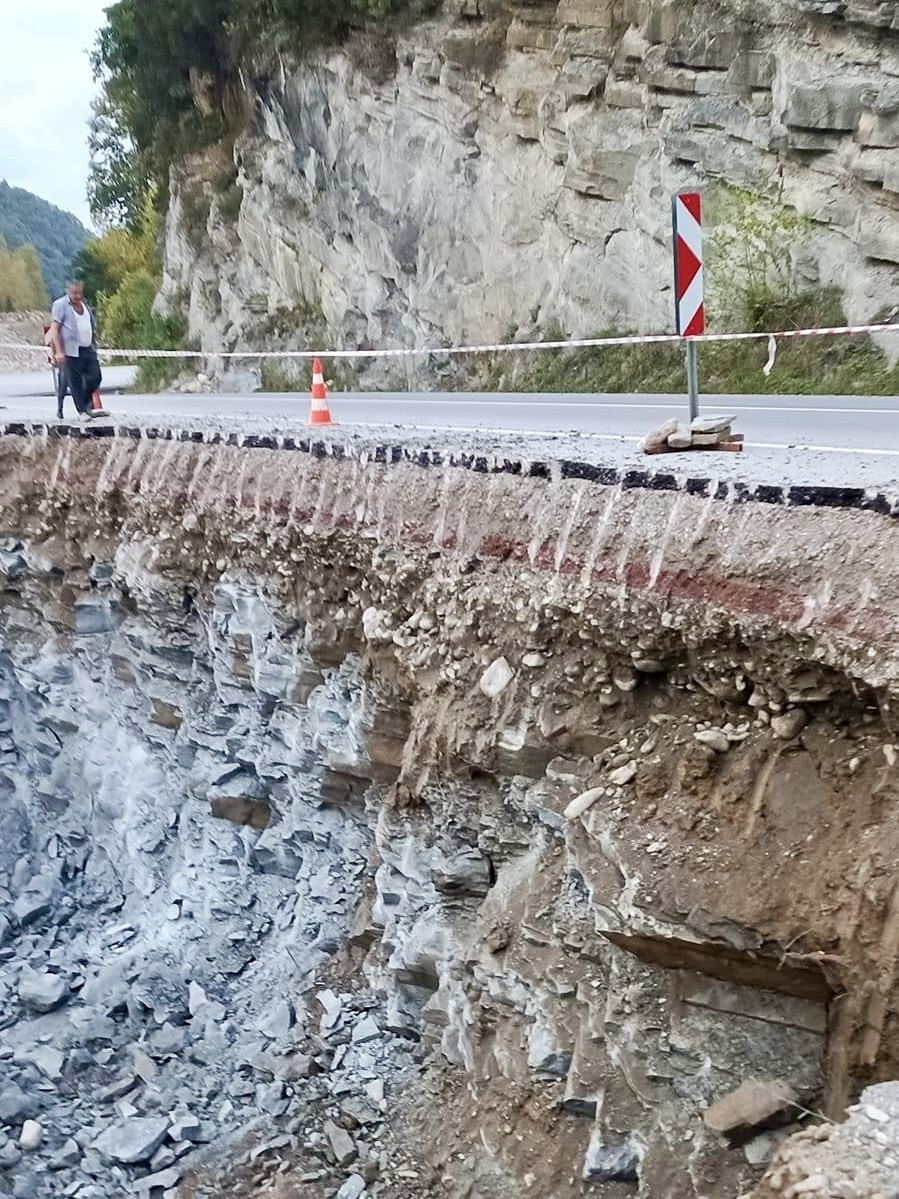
(369, 829)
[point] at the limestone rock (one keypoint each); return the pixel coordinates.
(35, 901)
(715, 739)
(16, 1105)
(342, 1145)
(789, 724)
(134, 1140)
(583, 802)
(42, 992)
(623, 774)
(68, 1155)
(365, 1030)
(496, 678)
(31, 1136)
(752, 1105)
(352, 1188)
(592, 119)
(660, 435)
(610, 1163)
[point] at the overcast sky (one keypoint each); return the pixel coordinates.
(46, 96)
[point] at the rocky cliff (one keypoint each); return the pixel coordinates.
(502, 167)
(471, 834)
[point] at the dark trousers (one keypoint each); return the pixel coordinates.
(62, 386)
(84, 377)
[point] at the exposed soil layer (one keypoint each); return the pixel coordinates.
(625, 763)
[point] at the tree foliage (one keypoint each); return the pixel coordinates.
(57, 236)
(753, 244)
(21, 280)
(120, 270)
(170, 70)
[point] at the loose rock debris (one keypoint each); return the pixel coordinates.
(294, 904)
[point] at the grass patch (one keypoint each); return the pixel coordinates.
(808, 366)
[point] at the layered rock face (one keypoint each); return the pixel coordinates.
(504, 167)
(585, 795)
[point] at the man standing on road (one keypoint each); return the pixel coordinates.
(74, 334)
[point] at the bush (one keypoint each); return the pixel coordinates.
(128, 312)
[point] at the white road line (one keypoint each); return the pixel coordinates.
(671, 404)
(823, 449)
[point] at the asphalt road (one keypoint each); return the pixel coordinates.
(832, 440)
(857, 424)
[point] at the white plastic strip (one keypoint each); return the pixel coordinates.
(579, 343)
(772, 355)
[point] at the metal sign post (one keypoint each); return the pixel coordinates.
(689, 305)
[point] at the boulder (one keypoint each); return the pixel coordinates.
(15, 1105)
(753, 1105)
(42, 992)
(31, 1136)
(496, 678)
(133, 1140)
(342, 1144)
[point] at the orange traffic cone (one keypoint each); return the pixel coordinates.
(319, 412)
(96, 402)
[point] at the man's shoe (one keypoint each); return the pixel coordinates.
(84, 417)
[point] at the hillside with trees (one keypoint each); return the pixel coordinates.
(57, 236)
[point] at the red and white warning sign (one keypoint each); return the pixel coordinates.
(688, 284)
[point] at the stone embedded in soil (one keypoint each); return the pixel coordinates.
(466, 872)
(753, 1104)
(581, 803)
(789, 724)
(715, 739)
(623, 774)
(42, 992)
(10, 1154)
(496, 678)
(132, 1141)
(610, 1163)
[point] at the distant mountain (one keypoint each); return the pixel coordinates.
(56, 235)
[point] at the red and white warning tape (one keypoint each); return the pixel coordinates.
(574, 343)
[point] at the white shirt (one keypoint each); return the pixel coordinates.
(85, 330)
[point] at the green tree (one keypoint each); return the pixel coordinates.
(21, 281)
(106, 262)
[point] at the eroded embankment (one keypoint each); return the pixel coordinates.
(392, 683)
